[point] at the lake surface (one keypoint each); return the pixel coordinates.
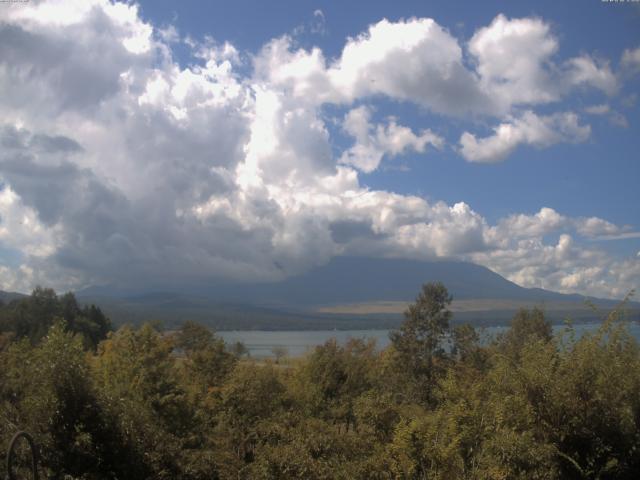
(298, 343)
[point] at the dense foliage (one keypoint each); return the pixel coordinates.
(31, 318)
(436, 404)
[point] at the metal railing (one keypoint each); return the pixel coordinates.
(12, 453)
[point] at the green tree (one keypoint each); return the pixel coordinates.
(252, 397)
(207, 361)
(466, 348)
(139, 387)
(526, 326)
(418, 343)
(334, 377)
(47, 390)
(32, 316)
(239, 349)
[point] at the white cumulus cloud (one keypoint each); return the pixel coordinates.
(119, 164)
(373, 142)
(527, 129)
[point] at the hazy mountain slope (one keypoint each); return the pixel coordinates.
(6, 297)
(300, 302)
(352, 279)
(357, 279)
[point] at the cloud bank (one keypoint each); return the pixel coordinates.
(120, 165)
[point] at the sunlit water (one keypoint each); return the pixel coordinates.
(298, 343)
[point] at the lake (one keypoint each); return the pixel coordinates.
(299, 342)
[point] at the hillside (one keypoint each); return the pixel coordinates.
(347, 293)
(352, 280)
(6, 297)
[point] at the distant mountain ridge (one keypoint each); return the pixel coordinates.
(346, 294)
(355, 280)
(6, 297)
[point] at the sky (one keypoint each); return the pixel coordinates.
(187, 143)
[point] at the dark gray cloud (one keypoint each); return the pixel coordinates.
(133, 170)
(344, 231)
(57, 69)
(13, 138)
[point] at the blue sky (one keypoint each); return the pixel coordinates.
(583, 25)
(241, 140)
(599, 177)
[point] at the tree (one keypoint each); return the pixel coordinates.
(47, 390)
(279, 352)
(466, 348)
(418, 342)
(239, 349)
(208, 362)
(334, 376)
(251, 396)
(527, 326)
(92, 324)
(32, 316)
(193, 336)
(135, 373)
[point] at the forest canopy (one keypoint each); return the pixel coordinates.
(438, 403)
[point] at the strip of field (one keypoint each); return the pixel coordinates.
(468, 305)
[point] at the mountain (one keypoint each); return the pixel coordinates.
(361, 279)
(6, 297)
(348, 292)
(354, 280)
